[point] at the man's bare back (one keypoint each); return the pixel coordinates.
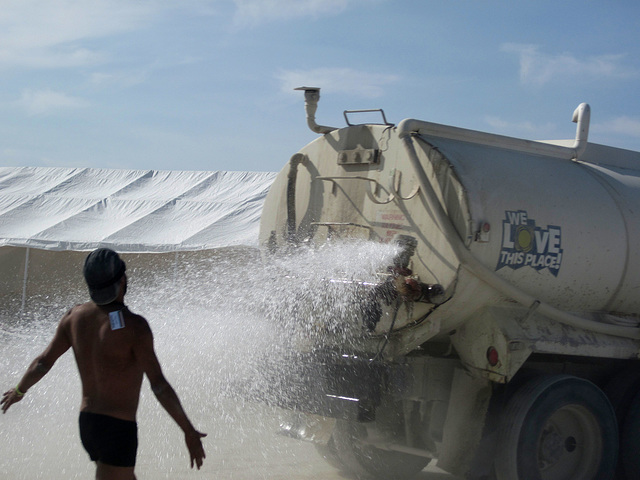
(110, 362)
(113, 348)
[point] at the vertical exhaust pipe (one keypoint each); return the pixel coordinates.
(311, 98)
(581, 116)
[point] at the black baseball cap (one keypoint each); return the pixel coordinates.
(103, 269)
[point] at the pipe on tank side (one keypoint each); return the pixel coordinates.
(292, 176)
(405, 130)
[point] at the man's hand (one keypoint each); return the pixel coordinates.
(9, 398)
(194, 444)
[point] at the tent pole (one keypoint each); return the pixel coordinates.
(24, 282)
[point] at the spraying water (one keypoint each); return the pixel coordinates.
(218, 320)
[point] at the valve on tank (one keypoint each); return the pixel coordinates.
(405, 285)
(400, 285)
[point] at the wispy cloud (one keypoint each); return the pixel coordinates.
(55, 33)
(538, 68)
(61, 33)
(521, 129)
(119, 78)
(619, 126)
(46, 102)
(624, 125)
(250, 12)
(337, 80)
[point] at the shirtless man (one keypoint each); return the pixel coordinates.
(113, 348)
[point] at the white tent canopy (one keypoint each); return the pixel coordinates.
(129, 210)
(163, 222)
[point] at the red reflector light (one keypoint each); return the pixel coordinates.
(492, 356)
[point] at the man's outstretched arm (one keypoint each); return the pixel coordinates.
(40, 365)
(166, 395)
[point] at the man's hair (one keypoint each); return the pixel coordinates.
(103, 269)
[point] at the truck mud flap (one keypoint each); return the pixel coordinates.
(347, 387)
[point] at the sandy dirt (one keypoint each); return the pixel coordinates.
(39, 440)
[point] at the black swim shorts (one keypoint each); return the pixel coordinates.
(109, 440)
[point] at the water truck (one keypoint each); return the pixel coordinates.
(503, 340)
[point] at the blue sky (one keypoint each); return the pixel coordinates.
(208, 84)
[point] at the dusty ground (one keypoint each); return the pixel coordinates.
(39, 441)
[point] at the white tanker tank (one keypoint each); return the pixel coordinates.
(516, 353)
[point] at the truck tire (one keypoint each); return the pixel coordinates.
(330, 455)
(557, 427)
(366, 462)
(629, 465)
(624, 394)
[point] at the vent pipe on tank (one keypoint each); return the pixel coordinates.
(311, 98)
(581, 116)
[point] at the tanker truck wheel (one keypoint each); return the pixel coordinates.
(629, 465)
(330, 455)
(624, 394)
(557, 427)
(364, 461)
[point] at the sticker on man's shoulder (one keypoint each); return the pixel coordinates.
(116, 319)
(525, 244)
